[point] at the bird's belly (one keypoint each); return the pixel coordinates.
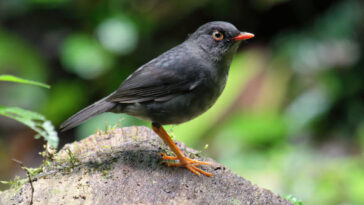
(179, 109)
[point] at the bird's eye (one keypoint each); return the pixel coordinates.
(217, 35)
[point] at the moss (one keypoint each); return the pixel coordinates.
(16, 183)
(107, 147)
(135, 138)
(105, 173)
(235, 201)
(55, 191)
(73, 160)
(34, 171)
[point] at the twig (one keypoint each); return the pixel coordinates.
(29, 178)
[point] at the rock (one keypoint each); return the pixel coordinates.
(123, 166)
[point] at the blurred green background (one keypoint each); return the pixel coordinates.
(291, 118)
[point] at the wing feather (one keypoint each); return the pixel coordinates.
(174, 72)
(141, 87)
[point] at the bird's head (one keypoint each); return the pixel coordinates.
(218, 39)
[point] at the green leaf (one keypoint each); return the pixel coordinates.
(11, 78)
(293, 200)
(35, 121)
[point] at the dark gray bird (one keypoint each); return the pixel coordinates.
(175, 87)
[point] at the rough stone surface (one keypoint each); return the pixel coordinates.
(124, 166)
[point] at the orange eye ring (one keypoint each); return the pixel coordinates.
(217, 35)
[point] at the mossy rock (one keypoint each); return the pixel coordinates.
(123, 166)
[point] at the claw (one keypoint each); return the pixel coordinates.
(190, 164)
(164, 156)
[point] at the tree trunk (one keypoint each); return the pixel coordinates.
(123, 166)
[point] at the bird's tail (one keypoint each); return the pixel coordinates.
(90, 111)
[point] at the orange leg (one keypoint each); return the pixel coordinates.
(183, 160)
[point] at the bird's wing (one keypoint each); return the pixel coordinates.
(154, 83)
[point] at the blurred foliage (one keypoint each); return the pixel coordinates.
(84, 56)
(35, 121)
(290, 119)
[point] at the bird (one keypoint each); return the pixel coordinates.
(175, 87)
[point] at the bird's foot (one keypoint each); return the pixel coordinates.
(190, 164)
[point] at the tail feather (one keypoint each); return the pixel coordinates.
(90, 111)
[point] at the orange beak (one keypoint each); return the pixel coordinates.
(243, 36)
